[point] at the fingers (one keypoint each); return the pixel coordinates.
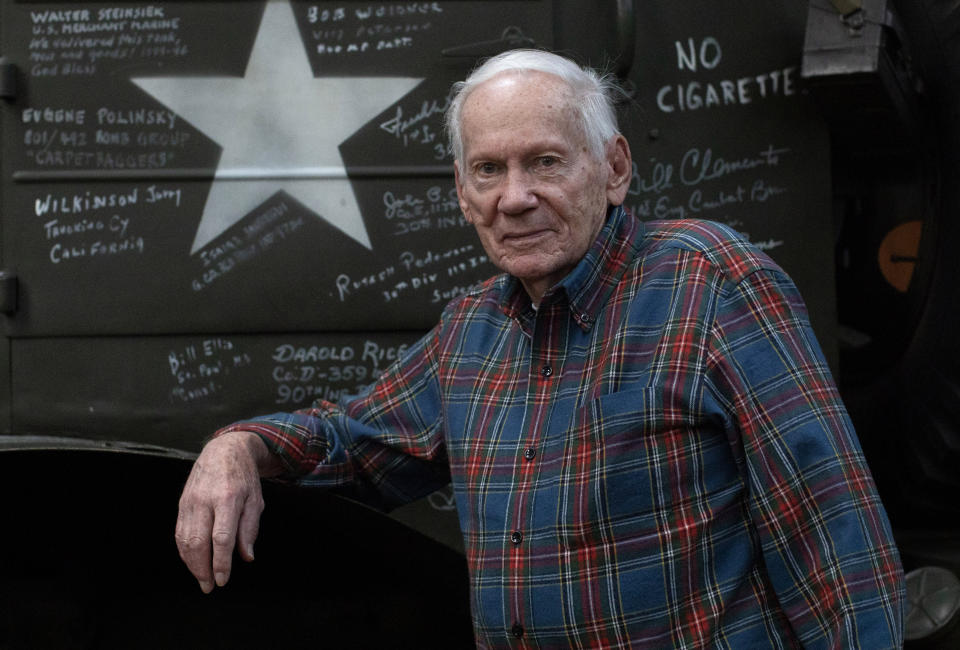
(220, 507)
(223, 536)
(249, 526)
(237, 518)
(193, 542)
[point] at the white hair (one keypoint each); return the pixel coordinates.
(593, 94)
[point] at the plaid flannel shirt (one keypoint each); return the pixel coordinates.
(655, 457)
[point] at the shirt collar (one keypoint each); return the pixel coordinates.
(588, 286)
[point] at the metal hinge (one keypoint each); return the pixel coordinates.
(8, 79)
(851, 13)
(8, 292)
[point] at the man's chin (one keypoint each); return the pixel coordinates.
(526, 267)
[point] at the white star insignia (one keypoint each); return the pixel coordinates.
(279, 127)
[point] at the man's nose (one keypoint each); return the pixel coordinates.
(518, 193)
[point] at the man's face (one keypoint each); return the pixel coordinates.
(528, 181)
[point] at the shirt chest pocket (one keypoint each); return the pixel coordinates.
(628, 462)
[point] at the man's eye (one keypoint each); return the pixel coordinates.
(547, 161)
(486, 169)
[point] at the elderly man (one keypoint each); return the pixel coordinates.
(645, 444)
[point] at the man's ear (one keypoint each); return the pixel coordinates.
(464, 206)
(620, 168)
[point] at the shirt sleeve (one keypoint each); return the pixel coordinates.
(825, 537)
(384, 446)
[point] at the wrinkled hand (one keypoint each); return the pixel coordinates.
(221, 505)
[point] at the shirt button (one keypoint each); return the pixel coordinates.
(529, 453)
(516, 537)
(517, 630)
(546, 371)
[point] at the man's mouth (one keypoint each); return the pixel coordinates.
(526, 238)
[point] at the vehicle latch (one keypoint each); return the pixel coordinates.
(8, 292)
(8, 79)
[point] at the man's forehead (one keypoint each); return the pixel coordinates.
(519, 85)
(533, 110)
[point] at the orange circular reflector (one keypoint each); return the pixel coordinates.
(897, 255)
